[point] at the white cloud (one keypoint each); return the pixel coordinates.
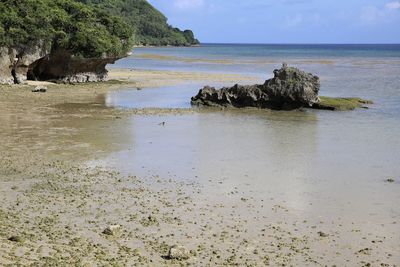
(371, 15)
(293, 21)
(188, 4)
(393, 5)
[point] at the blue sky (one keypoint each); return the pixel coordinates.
(286, 21)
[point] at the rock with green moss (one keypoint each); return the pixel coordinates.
(290, 88)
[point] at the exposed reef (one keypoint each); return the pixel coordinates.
(290, 88)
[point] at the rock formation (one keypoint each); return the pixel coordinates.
(290, 88)
(61, 66)
(36, 63)
(15, 62)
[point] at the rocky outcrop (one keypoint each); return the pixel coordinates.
(61, 66)
(36, 63)
(6, 66)
(290, 88)
(15, 62)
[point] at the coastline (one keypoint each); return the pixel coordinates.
(58, 204)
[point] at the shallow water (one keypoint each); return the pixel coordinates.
(320, 158)
(261, 59)
(320, 163)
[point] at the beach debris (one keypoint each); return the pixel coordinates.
(178, 252)
(112, 229)
(16, 239)
(40, 89)
(364, 251)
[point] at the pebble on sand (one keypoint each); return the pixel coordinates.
(177, 252)
(14, 238)
(112, 230)
(40, 89)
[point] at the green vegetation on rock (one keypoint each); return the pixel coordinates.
(81, 29)
(150, 26)
(337, 103)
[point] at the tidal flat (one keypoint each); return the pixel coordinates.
(235, 188)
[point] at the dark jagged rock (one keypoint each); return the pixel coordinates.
(292, 87)
(289, 89)
(236, 96)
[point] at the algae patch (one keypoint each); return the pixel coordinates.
(341, 104)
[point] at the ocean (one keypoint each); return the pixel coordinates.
(367, 71)
(319, 163)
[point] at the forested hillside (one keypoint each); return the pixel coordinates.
(87, 27)
(67, 24)
(149, 25)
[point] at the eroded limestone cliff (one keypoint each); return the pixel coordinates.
(36, 63)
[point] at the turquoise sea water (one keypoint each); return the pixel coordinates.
(255, 59)
(368, 71)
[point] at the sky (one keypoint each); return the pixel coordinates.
(286, 21)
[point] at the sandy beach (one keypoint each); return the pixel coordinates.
(57, 203)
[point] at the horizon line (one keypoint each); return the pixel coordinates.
(234, 43)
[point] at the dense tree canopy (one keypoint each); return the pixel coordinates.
(81, 29)
(89, 28)
(150, 26)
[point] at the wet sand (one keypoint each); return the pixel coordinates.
(57, 196)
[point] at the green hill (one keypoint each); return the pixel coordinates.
(90, 28)
(149, 25)
(63, 24)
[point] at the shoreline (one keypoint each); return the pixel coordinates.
(56, 203)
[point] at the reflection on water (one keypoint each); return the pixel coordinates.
(325, 159)
(166, 97)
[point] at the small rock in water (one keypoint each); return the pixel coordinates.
(112, 230)
(14, 238)
(178, 253)
(40, 89)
